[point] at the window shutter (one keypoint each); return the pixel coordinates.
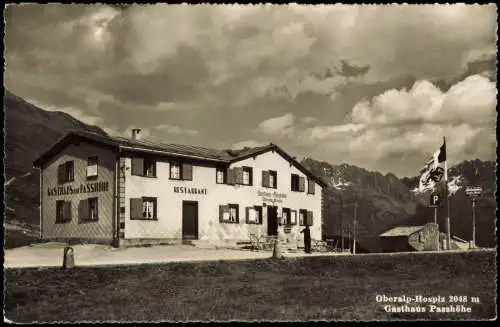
(137, 166)
(309, 218)
(293, 217)
(83, 210)
(302, 184)
(247, 212)
(265, 178)
(258, 214)
(275, 179)
(67, 211)
(222, 209)
(230, 176)
(310, 186)
(155, 208)
(60, 173)
(187, 172)
(136, 208)
(238, 172)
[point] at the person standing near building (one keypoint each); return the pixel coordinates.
(307, 239)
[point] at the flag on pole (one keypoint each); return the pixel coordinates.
(435, 170)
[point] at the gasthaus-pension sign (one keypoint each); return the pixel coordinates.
(273, 197)
(82, 188)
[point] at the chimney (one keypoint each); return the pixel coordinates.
(136, 134)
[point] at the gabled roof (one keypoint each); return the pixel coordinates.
(401, 231)
(226, 156)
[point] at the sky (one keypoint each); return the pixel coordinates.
(377, 86)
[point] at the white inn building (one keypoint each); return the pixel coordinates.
(120, 191)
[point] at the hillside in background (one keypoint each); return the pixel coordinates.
(29, 131)
(384, 201)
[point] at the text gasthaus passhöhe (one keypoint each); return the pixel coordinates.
(83, 188)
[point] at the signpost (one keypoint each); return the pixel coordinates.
(435, 202)
(473, 193)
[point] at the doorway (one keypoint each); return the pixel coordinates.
(189, 220)
(272, 220)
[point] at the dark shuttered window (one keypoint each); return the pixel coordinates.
(144, 166)
(310, 186)
(66, 172)
(63, 211)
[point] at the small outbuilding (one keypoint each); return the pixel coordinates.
(411, 238)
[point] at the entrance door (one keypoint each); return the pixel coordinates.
(190, 220)
(272, 220)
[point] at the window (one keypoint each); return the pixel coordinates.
(144, 208)
(310, 186)
(298, 183)
(293, 217)
(149, 167)
(144, 166)
(247, 176)
(229, 213)
(180, 171)
(88, 209)
(220, 175)
(269, 178)
(254, 215)
(286, 216)
(175, 170)
(63, 211)
(93, 208)
(302, 217)
(66, 172)
(92, 163)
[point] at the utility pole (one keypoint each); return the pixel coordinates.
(341, 223)
(473, 222)
(355, 222)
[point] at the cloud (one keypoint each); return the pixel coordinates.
(75, 113)
(170, 129)
(248, 143)
(469, 101)
(278, 126)
(398, 130)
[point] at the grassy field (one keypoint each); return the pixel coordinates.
(315, 288)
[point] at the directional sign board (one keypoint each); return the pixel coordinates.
(435, 200)
(473, 191)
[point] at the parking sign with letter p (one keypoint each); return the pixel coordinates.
(435, 200)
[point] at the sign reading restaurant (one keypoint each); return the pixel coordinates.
(190, 190)
(83, 188)
(274, 197)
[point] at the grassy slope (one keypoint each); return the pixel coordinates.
(295, 289)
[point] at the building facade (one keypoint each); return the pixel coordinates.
(130, 191)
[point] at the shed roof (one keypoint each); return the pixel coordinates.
(401, 231)
(225, 156)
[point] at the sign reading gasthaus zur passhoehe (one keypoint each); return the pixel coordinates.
(82, 188)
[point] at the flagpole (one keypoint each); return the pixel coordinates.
(448, 232)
